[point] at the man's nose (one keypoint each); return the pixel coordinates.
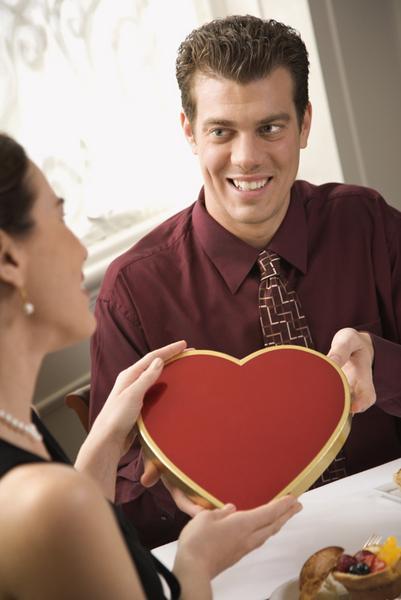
(246, 153)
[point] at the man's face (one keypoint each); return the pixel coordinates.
(247, 138)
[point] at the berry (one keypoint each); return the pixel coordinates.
(378, 565)
(359, 568)
(366, 557)
(344, 563)
(362, 555)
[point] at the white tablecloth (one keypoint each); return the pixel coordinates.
(343, 513)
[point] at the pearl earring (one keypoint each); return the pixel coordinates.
(27, 307)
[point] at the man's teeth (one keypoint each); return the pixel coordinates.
(249, 185)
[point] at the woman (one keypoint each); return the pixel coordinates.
(60, 537)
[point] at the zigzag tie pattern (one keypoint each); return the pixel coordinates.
(283, 322)
(281, 316)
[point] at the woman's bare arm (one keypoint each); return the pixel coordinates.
(62, 539)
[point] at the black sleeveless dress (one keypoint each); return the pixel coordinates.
(147, 565)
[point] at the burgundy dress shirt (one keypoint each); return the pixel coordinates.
(191, 279)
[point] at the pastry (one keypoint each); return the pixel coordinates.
(373, 573)
(315, 582)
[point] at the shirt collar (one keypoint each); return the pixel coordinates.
(291, 239)
(221, 246)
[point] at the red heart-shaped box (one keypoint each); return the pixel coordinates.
(246, 431)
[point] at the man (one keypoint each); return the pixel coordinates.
(202, 274)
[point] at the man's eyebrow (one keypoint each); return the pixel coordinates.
(216, 122)
(276, 117)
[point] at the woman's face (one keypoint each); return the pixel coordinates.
(54, 278)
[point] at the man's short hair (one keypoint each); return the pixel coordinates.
(242, 48)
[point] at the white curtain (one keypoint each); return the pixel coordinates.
(88, 87)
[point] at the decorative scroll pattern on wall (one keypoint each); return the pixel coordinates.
(88, 87)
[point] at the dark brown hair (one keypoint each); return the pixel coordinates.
(243, 49)
(16, 199)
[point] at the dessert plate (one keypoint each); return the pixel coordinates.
(287, 591)
(246, 431)
(290, 591)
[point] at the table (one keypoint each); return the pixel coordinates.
(343, 513)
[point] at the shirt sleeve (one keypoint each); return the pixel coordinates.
(387, 375)
(387, 362)
(117, 343)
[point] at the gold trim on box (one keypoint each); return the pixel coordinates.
(298, 485)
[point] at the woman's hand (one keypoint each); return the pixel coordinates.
(214, 540)
(114, 429)
(123, 406)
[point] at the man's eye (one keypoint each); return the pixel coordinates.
(270, 129)
(218, 132)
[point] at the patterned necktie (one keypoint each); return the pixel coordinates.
(280, 311)
(283, 322)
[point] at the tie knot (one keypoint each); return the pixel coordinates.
(269, 264)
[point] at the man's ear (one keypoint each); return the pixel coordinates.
(11, 261)
(306, 125)
(188, 132)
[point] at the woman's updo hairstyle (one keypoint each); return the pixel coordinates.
(16, 199)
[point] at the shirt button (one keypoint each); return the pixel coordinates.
(164, 517)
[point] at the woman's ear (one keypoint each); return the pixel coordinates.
(12, 261)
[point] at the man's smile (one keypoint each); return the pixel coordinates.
(248, 185)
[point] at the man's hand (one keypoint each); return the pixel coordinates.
(151, 475)
(353, 351)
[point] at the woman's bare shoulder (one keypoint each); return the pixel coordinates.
(37, 494)
(61, 538)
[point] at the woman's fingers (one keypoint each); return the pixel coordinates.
(130, 374)
(147, 378)
(268, 514)
(263, 533)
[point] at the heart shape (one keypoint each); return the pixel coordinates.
(246, 430)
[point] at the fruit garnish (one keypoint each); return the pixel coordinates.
(369, 560)
(377, 565)
(364, 556)
(345, 562)
(389, 552)
(364, 561)
(360, 568)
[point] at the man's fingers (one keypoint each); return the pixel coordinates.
(343, 345)
(181, 499)
(363, 397)
(150, 475)
(353, 351)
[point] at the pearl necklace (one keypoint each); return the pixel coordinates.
(28, 429)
